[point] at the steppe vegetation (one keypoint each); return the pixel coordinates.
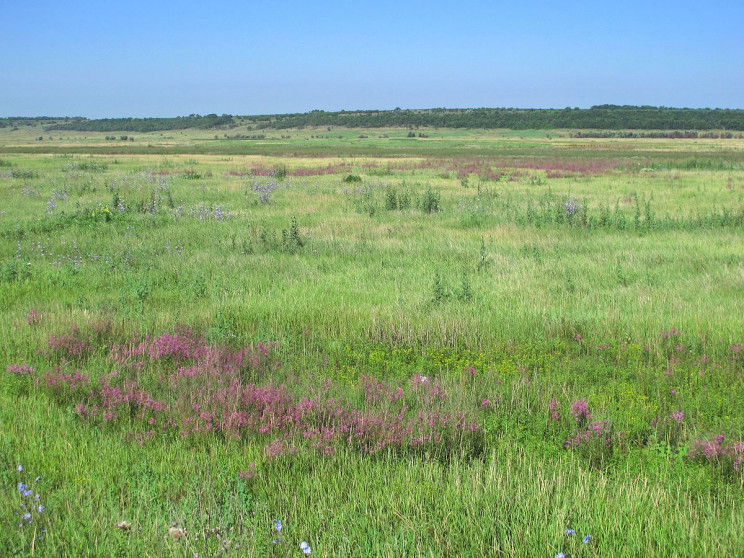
(451, 342)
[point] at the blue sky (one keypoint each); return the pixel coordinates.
(112, 59)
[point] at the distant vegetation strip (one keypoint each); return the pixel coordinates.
(601, 117)
(140, 125)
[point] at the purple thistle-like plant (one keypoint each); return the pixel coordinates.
(580, 411)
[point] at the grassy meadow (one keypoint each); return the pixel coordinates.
(462, 343)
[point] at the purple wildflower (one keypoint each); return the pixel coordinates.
(580, 411)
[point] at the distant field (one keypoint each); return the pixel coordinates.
(460, 343)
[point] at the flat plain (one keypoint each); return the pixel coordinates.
(460, 343)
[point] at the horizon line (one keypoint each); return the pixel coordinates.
(396, 109)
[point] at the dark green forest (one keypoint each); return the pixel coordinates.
(612, 119)
(604, 117)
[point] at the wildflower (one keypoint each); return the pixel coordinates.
(571, 207)
(305, 548)
(248, 473)
(19, 468)
(27, 517)
(587, 538)
(277, 525)
(20, 369)
(40, 509)
(560, 555)
(33, 317)
(552, 407)
(580, 411)
(569, 532)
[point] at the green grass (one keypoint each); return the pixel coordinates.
(454, 257)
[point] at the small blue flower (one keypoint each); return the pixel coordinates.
(275, 541)
(19, 468)
(22, 487)
(304, 547)
(560, 555)
(277, 525)
(37, 479)
(41, 508)
(569, 532)
(586, 539)
(27, 517)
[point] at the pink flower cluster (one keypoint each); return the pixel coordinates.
(249, 473)
(715, 450)
(72, 345)
(670, 333)
(198, 389)
(580, 411)
(59, 379)
(553, 408)
(21, 369)
(182, 345)
(597, 430)
(33, 317)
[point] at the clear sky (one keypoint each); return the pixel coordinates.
(113, 59)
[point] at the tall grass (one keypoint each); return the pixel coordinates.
(449, 356)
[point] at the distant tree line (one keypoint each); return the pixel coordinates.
(16, 121)
(601, 117)
(143, 124)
